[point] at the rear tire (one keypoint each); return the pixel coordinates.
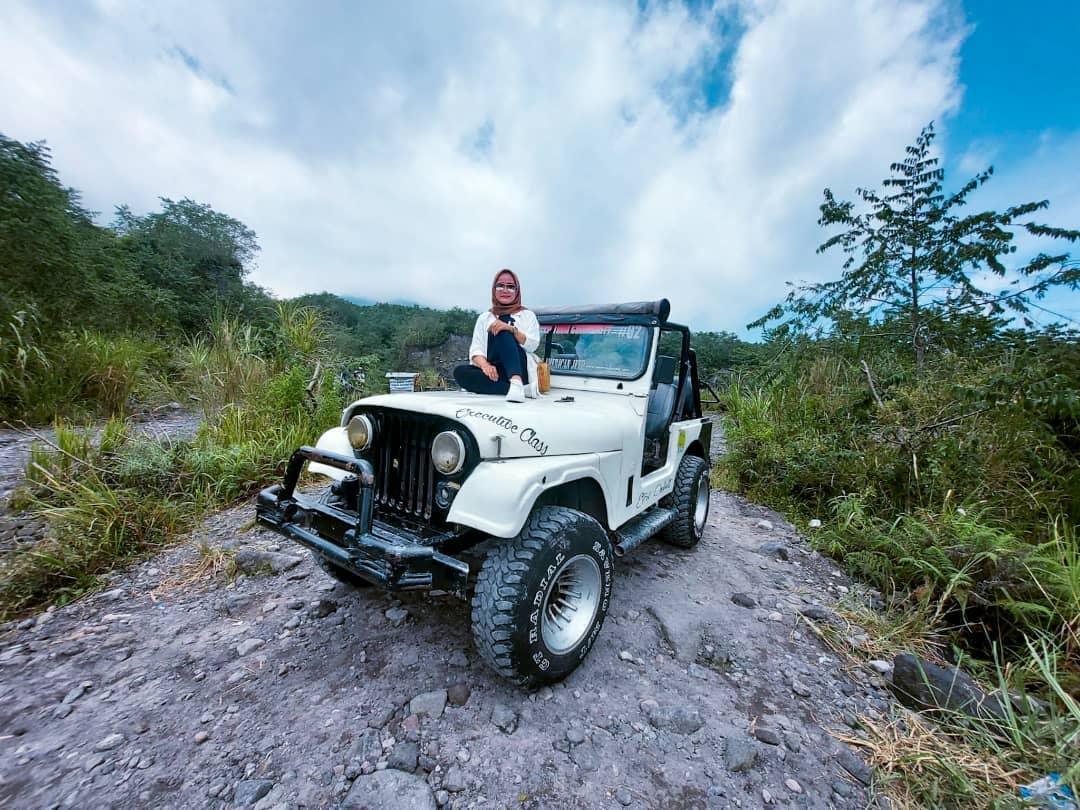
(541, 597)
(690, 500)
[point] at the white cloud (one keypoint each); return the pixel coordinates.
(347, 138)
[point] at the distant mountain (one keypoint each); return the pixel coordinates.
(367, 302)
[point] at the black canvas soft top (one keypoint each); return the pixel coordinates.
(640, 312)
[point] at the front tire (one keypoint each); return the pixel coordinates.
(541, 597)
(690, 500)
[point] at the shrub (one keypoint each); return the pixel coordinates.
(112, 495)
(21, 359)
(101, 513)
(951, 485)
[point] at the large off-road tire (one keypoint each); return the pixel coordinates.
(690, 500)
(332, 495)
(541, 597)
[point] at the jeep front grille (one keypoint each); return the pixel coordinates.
(404, 474)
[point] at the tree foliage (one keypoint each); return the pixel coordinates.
(913, 257)
(390, 331)
(915, 408)
(163, 273)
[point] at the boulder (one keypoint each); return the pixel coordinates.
(923, 686)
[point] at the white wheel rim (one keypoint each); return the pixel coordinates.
(701, 505)
(570, 604)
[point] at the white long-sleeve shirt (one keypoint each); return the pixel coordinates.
(524, 320)
(526, 323)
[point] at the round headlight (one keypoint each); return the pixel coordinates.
(360, 432)
(448, 452)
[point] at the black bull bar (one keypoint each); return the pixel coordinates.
(368, 548)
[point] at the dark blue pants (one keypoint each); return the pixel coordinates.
(503, 352)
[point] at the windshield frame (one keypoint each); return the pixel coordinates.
(571, 324)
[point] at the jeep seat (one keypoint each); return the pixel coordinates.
(661, 398)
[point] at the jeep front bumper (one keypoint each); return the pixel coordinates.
(368, 548)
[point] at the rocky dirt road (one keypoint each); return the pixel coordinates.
(706, 689)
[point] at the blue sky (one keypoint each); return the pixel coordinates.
(614, 149)
(1021, 114)
(1020, 75)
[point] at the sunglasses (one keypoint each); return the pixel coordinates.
(510, 287)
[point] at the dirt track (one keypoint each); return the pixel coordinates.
(289, 690)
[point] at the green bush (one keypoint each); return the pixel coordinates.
(21, 360)
(950, 485)
(113, 494)
(77, 374)
(961, 431)
(103, 507)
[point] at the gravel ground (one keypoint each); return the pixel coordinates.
(173, 688)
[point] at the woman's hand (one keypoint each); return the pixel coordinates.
(499, 326)
(485, 366)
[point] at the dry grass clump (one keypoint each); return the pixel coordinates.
(213, 564)
(921, 765)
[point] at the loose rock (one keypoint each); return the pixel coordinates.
(252, 561)
(110, 742)
(744, 600)
(817, 613)
(458, 694)
(323, 608)
(249, 645)
(678, 719)
(504, 718)
(250, 791)
(921, 685)
(455, 780)
(430, 704)
(773, 549)
(767, 735)
(851, 763)
(404, 757)
(739, 755)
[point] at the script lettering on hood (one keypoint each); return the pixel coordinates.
(528, 435)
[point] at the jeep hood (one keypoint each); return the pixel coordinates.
(590, 423)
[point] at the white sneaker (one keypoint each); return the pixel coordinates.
(532, 390)
(516, 392)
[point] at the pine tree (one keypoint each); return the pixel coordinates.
(912, 258)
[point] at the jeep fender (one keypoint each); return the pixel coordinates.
(336, 440)
(499, 494)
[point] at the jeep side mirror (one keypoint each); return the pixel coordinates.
(664, 371)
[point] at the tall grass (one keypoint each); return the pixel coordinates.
(77, 374)
(21, 359)
(224, 365)
(103, 508)
(953, 490)
(113, 495)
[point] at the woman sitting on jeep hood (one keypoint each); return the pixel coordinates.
(501, 359)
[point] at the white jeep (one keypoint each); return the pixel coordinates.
(551, 489)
